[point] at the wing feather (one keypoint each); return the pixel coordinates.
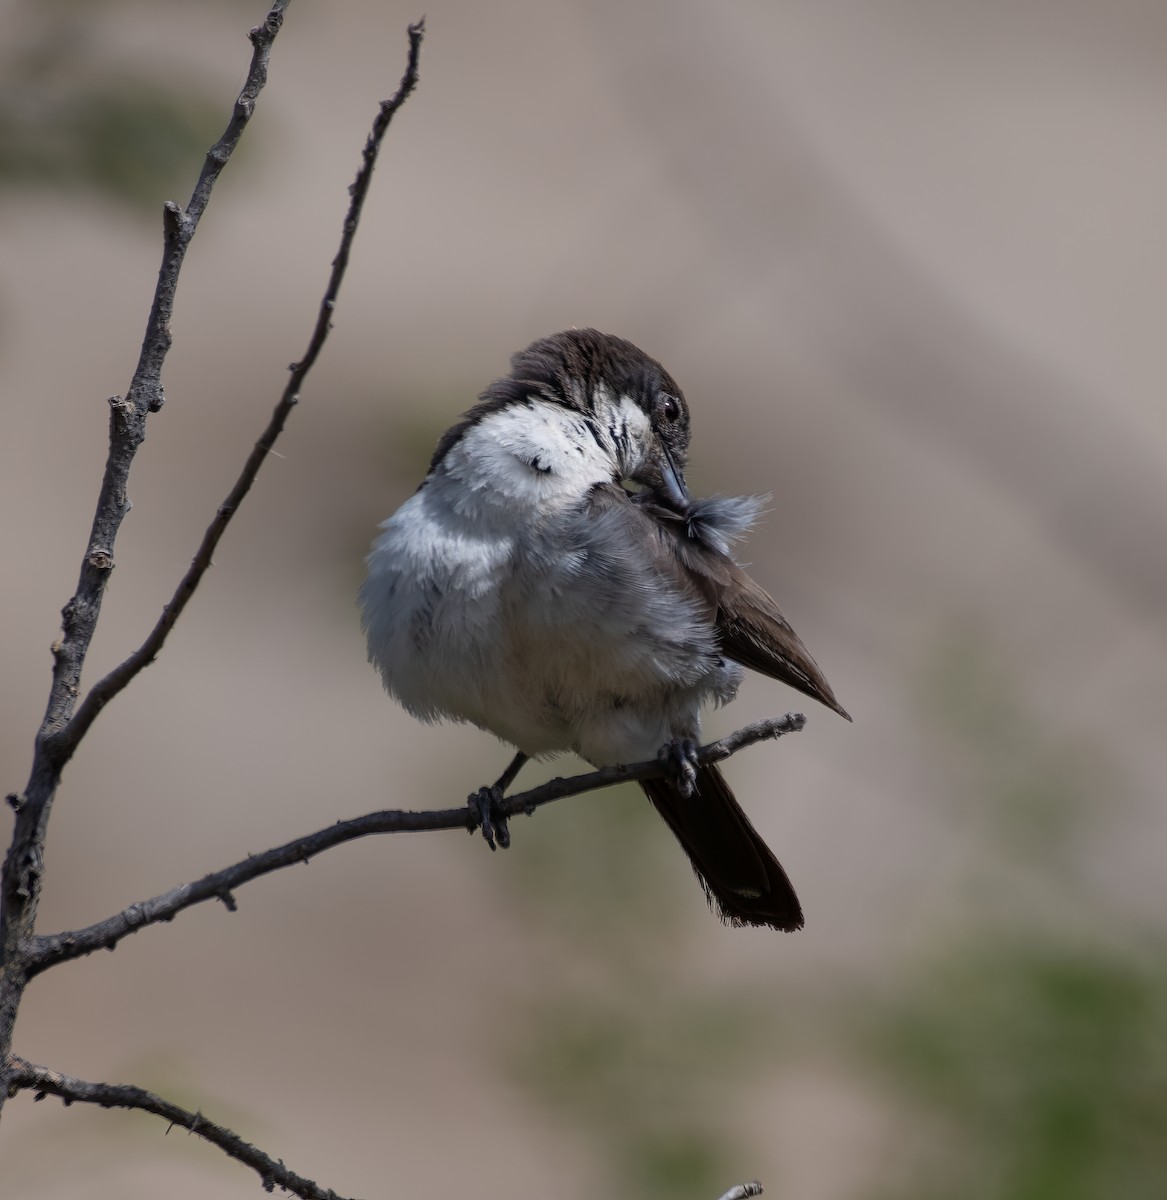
(750, 625)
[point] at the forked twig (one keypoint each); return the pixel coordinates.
(66, 722)
(65, 740)
(61, 730)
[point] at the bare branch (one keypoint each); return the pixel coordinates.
(66, 739)
(128, 415)
(48, 950)
(63, 728)
(26, 1076)
(743, 1191)
(20, 880)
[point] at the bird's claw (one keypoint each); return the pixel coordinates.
(679, 757)
(491, 819)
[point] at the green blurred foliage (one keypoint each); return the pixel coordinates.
(1039, 1065)
(1028, 1053)
(73, 118)
(650, 1074)
(644, 1075)
(1033, 792)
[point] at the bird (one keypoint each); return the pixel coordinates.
(552, 582)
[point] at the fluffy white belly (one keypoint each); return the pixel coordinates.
(431, 609)
(458, 632)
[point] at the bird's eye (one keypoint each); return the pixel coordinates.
(669, 408)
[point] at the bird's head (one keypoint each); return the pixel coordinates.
(626, 402)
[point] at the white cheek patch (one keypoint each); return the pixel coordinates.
(536, 453)
(626, 427)
(545, 455)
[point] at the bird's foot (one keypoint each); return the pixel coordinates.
(679, 758)
(485, 804)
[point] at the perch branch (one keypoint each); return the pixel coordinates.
(26, 1076)
(50, 949)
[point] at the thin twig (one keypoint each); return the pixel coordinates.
(26, 1076)
(743, 1191)
(59, 733)
(50, 949)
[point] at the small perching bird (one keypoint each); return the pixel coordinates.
(523, 589)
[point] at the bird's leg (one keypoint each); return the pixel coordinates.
(485, 802)
(679, 758)
(505, 780)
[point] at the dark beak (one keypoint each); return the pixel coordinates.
(673, 488)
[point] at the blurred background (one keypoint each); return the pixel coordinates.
(909, 262)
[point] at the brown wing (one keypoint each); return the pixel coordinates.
(751, 628)
(756, 634)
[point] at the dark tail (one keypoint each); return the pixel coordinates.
(737, 869)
